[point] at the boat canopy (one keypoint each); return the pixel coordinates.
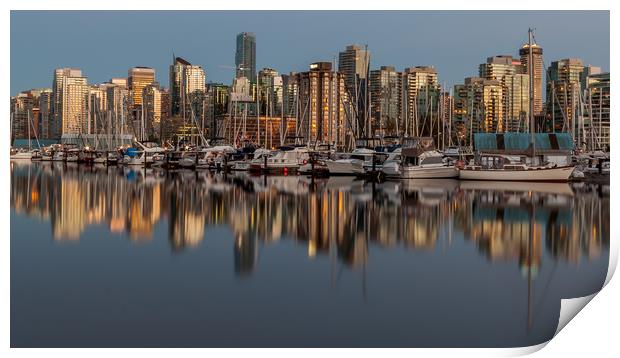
(519, 143)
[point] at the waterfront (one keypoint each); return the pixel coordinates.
(121, 257)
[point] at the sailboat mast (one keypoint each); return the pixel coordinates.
(531, 74)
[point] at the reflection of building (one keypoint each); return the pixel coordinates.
(343, 221)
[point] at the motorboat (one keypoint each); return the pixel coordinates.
(285, 160)
(21, 154)
(358, 162)
(257, 157)
(418, 159)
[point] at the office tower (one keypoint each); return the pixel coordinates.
(322, 99)
(478, 107)
(152, 111)
(70, 102)
(537, 71)
(97, 106)
(290, 95)
(21, 117)
(166, 101)
(516, 91)
(595, 134)
(385, 94)
(46, 117)
(354, 64)
(139, 77)
(586, 73)
(446, 107)
(270, 92)
(420, 101)
(563, 93)
(245, 56)
(187, 82)
(117, 96)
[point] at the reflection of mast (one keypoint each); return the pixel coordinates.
(529, 265)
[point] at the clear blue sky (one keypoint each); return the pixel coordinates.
(106, 44)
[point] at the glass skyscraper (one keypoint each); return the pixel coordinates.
(245, 57)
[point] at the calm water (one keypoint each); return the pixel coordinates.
(114, 257)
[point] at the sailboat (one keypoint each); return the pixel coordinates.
(502, 167)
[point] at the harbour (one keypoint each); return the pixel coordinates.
(364, 179)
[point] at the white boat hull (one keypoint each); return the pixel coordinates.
(344, 168)
(22, 156)
(439, 172)
(542, 174)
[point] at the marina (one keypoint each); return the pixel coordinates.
(402, 190)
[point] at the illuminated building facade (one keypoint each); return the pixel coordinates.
(386, 96)
(70, 102)
(322, 100)
(538, 72)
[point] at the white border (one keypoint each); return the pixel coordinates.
(594, 330)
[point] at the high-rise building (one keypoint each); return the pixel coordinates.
(21, 117)
(245, 56)
(478, 107)
(152, 110)
(46, 116)
(217, 97)
(385, 94)
(354, 64)
(270, 92)
(563, 93)
(290, 89)
(596, 107)
(139, 77)
(70, 102)
(187, 81)
(117, 96)
(537, 71)
(446, 107)
(97, 106)
(322, 98)
(420, 101)
(516, 90)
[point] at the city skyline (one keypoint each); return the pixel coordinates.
(215, 50)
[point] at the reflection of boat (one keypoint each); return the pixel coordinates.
(547, 188)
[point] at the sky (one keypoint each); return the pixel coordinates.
(105, 44)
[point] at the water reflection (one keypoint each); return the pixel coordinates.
(385, 262)
(506, 221)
